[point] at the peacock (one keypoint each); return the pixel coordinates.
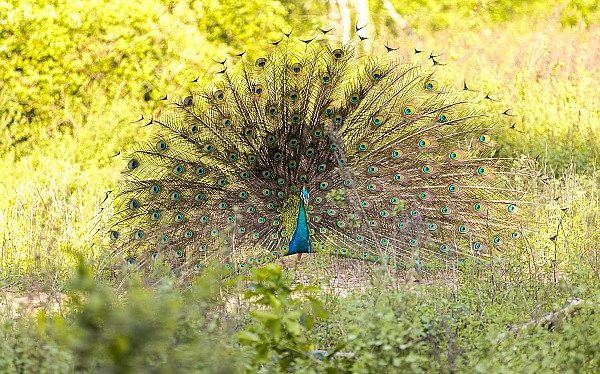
(319, 147)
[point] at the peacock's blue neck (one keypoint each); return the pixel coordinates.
(301, 240)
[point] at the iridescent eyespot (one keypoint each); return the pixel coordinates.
(431, 85)
(133, 164)
(338, 53)
(261, 62)
(161, 146)
(296, 68)
(257, 89)
(219, 95)
(188, 101)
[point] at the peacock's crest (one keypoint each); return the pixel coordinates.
(317, 148)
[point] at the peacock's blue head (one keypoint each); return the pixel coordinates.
(304, 196)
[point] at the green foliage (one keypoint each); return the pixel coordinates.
(161, 329)
(482, 324)
(281, 324)
(439, 15)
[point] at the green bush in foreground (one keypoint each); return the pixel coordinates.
(285, 327)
